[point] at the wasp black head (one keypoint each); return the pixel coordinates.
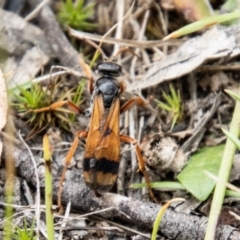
(107, 85)
(109, 68)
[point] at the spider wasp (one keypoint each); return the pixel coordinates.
(102, 151)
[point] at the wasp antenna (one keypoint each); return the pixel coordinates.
(125, 50)
(104, 56)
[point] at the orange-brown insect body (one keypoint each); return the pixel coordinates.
(102, 151)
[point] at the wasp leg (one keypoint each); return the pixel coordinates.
(80, 134)
(57, 105)
(134, 100)
(127, 139)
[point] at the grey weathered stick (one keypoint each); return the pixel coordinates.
(174, 225)
(63, 49)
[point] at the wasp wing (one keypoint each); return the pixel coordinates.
(102, 154)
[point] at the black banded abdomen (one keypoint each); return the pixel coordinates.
(100, 174)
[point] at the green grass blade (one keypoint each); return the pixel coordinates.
(174, 120)
(160, 216)
(174, 94)
(206, 22)
(163, 105)
(79, 5)
(234, 139)
(233, 95)
(68, 6)
(48, 187)
(169, 99)
(163, 185)
(224, 172)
